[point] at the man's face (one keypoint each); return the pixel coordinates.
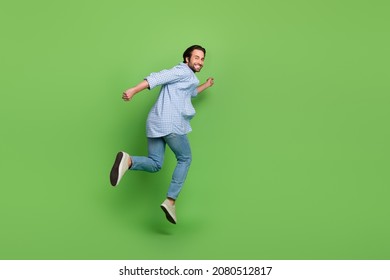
(195, 62)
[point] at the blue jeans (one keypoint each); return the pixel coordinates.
(180, 146)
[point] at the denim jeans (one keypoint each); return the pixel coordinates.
(180, 146)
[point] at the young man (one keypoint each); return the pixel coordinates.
(168, 123)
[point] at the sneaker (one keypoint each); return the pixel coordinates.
(169, 210)
(119, 168)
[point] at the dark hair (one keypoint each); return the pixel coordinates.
(188, 51)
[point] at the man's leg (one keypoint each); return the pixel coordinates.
(152, 163)
(155, 159)
(180, 146)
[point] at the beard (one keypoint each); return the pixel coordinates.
(195, 67)
(194, 63)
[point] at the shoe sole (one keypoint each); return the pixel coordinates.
(168, 215)
(115, 169)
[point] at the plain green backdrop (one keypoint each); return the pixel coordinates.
(290, 146)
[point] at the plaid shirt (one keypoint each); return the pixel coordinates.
(173, 109)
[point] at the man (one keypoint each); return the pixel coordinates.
(168, 123)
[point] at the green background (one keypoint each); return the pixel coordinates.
(290, 146)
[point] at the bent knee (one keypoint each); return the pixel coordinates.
(156, 167)
(185, 159)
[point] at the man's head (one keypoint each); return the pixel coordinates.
(194, 57)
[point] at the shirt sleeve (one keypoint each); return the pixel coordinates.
(165, 77)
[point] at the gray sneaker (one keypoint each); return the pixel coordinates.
(121, 165)
(169, 210)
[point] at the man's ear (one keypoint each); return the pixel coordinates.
(187, 60)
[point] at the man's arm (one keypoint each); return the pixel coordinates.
(129, 93)
(207, 84)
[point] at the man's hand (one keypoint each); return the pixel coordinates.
(210, 82)
(128, 94)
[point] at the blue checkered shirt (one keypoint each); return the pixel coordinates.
(173, 109)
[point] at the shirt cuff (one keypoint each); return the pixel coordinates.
(152, 82)
(194, 93)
